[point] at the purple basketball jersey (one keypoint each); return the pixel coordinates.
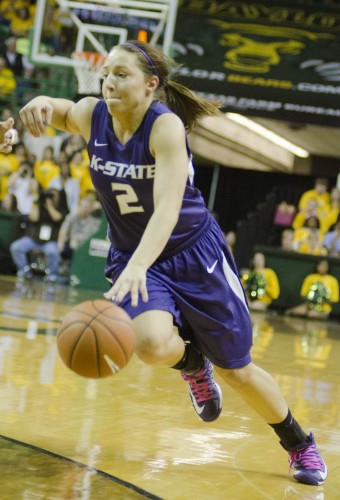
(123, 176)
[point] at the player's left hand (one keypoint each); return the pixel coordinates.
(133, 281)
(6, 136)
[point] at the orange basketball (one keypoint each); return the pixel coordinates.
(96, 339)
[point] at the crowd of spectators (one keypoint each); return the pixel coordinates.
(16, 19)
(51, 192)
(20, 79)
(314, 227)
(311, 227)
(58, 163)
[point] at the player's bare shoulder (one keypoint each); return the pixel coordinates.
(81, 114)
(168, 129)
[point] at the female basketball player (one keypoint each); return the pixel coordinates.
(169, 263)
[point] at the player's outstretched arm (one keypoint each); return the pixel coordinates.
(61, 114)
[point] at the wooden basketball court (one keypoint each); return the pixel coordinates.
(135, 435)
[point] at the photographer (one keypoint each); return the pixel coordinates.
(44, 221)
(24, 186)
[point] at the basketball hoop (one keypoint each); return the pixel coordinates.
(87, 70)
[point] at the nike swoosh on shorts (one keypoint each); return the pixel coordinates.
(211, 268)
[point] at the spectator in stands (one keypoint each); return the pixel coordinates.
(78, 227)
(52, 34)
(7, 82)
(319, 193)
(333, 210)
(5, 125)
(311, 210)
(9, 204)
(20, 152)
(80, 169)
(11, 228)
(21, 22)
(41, 234)
(73, 143)
(230, 238)
(332, 240)
(62, 157)
(46, 169)
(320, 291)
(284, 214)
(7, 113)
(13, 58)
(287, 240)
(24, 186)
(69, 184)
(313, 245)
(261, 284)
(301, 234)
(8, 163)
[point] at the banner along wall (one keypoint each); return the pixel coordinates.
(273, 59)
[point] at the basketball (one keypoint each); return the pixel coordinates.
(96, 339)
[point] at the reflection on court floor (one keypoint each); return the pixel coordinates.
(135, 435)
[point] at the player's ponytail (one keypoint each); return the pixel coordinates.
(185, 103)
(188, 105)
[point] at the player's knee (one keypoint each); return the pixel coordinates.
(151, 346)
(155, 335)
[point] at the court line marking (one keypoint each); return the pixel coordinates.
(81, 465)
(26, 316)
(240, 473)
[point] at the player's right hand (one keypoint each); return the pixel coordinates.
(131, 281)
(36, 115)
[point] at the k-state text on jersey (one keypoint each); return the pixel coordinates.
(122, 170)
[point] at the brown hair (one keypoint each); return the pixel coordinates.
(185, 103)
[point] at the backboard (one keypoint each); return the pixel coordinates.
(78, 26)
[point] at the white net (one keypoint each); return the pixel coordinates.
(87, 70)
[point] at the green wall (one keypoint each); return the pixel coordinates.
(88, 261)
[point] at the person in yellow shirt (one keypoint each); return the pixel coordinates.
(301, 234)
(319, 193)
(261, 284)
(311, 210)
(46, 169)
(80, 169)
(320, 291)
(7, 80)
(21, 21)
(8, 161)
(332, 212)
(313, 245)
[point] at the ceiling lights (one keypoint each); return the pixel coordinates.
(268, 134)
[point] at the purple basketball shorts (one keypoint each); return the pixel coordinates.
(200, 287)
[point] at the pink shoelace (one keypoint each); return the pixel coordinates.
(200, 384)
(308, 458)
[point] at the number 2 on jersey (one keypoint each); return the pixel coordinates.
(125, 198)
